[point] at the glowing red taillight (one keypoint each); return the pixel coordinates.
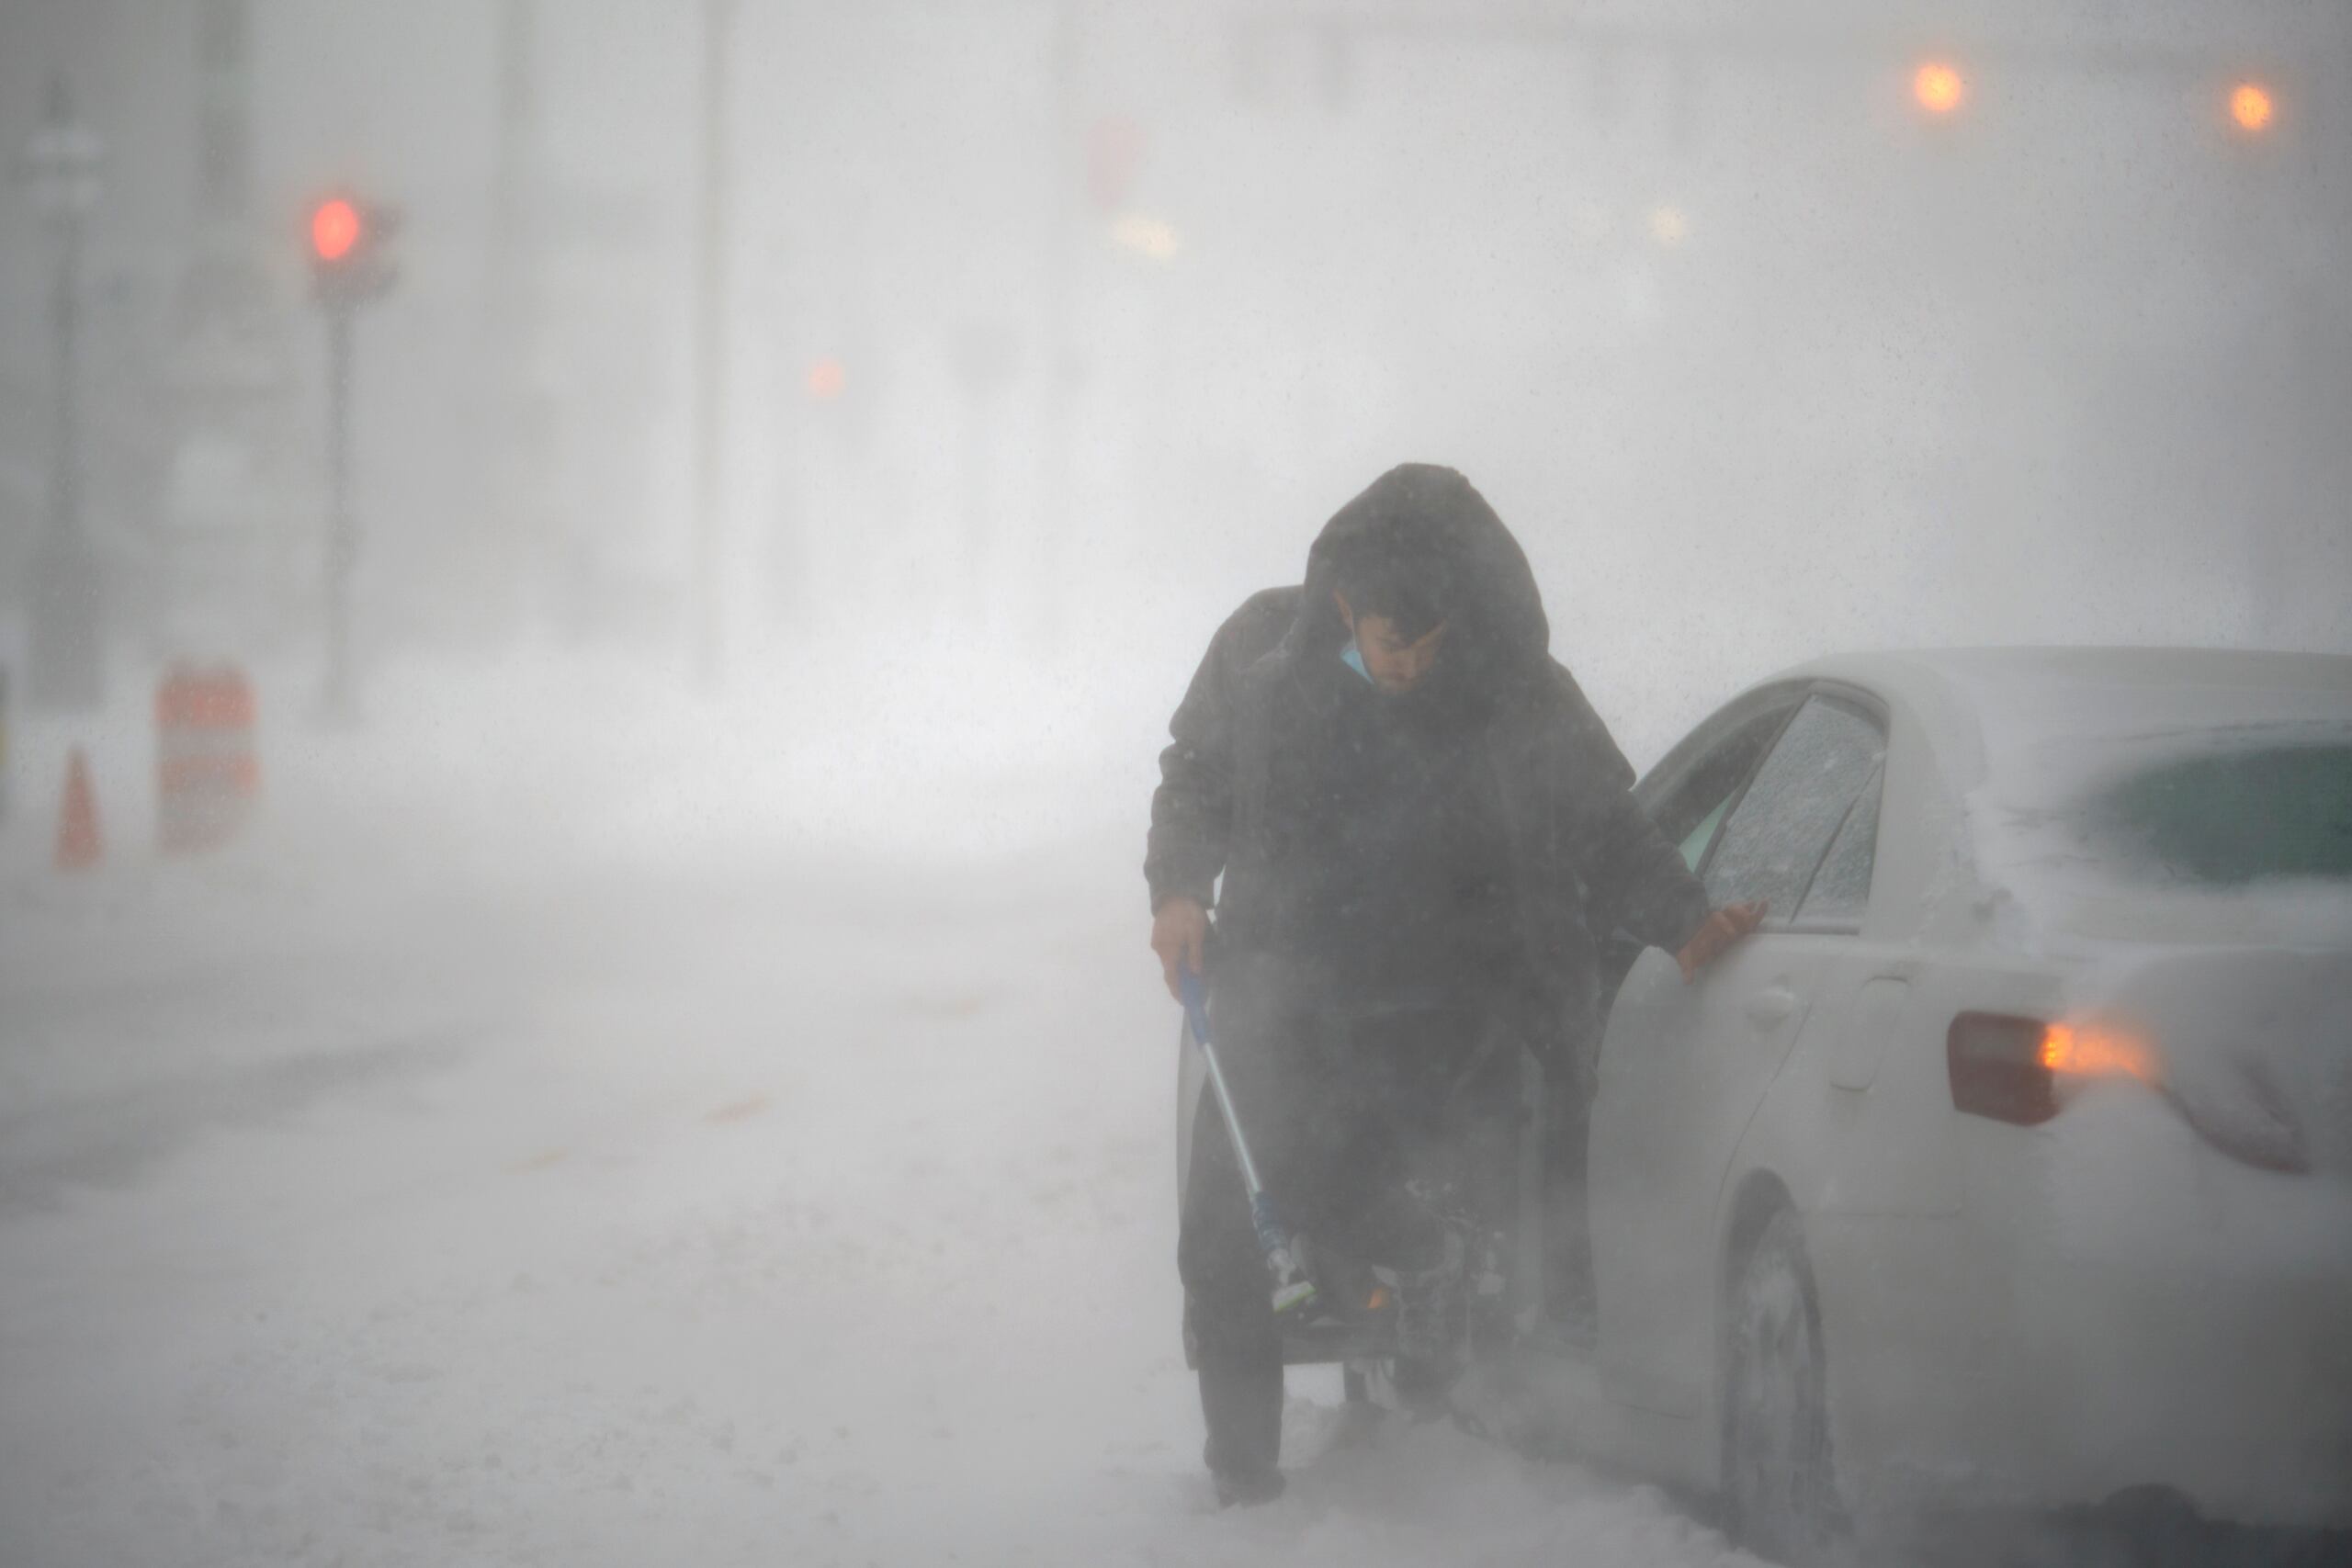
(2022, 1070)
(1998, 1070)
(2082, 1051)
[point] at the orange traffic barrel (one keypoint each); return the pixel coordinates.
(207, 775)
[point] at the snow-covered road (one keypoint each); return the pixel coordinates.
(760, 1157)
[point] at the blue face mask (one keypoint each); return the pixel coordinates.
(1352, 657)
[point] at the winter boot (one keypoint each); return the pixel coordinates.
(1431, 1325)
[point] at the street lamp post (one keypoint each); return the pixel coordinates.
(66, 662)
(705, 597)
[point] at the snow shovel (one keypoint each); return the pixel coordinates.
(1293, 1289)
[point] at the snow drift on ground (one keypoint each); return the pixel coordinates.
(580, 1124)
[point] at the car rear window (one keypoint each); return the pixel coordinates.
(2228, 819)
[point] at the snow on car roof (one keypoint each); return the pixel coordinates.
(2050, 719)
(2024, 735)
(1990, 671)
(1998, 698)
(2060, 728)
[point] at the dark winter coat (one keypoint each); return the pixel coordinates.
(1479, 831)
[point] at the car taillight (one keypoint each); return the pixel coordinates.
(2022, 1070)
(1997, 1068)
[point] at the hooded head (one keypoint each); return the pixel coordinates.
(1422, 552)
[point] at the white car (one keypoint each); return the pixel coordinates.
(2009, 1165)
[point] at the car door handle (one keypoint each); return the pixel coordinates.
(1771, 1007)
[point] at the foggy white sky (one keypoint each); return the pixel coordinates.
(2072, 367)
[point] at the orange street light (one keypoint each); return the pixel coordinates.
(1938, 86)
(827, 380)
(2251, 108)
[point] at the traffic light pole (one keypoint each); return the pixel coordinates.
(343, 534)
(350, 266)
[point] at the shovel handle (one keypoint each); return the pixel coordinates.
(1293, 1287)
(1195, 994)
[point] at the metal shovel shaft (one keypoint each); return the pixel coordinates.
(1232, 1120)
(1292, 1287)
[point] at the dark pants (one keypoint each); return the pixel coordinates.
(1568, 1288)
(1341, 1113)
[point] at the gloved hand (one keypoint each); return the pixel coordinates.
(1723, 928)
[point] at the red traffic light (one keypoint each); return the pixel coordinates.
(350, 239)
(335, 228)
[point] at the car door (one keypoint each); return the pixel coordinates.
(1684, 1065)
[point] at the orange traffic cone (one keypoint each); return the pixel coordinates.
(77, 825)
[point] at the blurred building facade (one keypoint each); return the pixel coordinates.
(504, 478)
(1037, 308)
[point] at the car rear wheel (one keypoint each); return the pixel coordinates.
(1780, 1481)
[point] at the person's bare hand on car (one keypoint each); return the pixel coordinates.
(1721, 928)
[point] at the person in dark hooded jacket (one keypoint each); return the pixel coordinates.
(1424, 832)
